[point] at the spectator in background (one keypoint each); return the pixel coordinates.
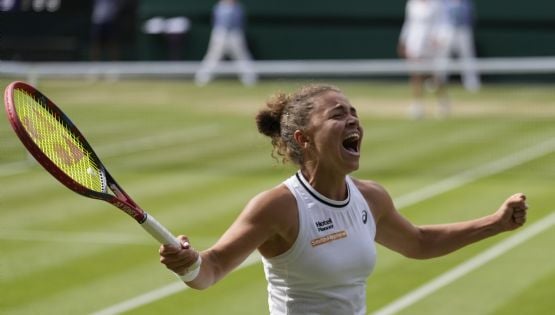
(104, 33)
(227, 38)
(176, 28)
(457, 38)
(418, 44)
(173, 30)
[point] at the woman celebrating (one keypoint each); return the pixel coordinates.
(317, 230)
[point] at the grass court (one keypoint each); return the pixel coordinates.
(192, 157)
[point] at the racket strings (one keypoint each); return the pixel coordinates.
(54, 138)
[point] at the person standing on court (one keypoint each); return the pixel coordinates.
(456, 37)
(227, 39)
(316, 231)
(419, 46)
(104, 30)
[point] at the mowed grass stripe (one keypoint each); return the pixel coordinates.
(78, 292)
(460, 143)
(185, 156)
(109, 147)
(168, 290)
(537, 298)
(183, 136)
(48, 250)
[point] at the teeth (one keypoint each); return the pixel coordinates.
(352, 136)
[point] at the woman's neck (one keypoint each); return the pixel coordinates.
(330, 184)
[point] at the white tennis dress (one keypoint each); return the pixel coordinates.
(326, 269)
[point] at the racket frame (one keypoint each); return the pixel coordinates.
(120, 199)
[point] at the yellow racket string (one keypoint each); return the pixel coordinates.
(56, 141)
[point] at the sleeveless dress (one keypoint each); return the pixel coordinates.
(326, 269)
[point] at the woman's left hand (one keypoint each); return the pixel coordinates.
(512, 213)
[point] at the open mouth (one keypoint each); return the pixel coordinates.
(351, 142)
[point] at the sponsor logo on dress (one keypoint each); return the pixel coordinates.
(328, 238)
(324, 225)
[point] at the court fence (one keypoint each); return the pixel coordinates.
(34, 71)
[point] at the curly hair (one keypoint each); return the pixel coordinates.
(286, 113)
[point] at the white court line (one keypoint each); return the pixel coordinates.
(468, 266)
(430, 191)
(160, 293)
(463, 178)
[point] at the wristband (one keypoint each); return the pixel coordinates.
(192, 271)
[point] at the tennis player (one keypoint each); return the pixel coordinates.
(317, 230)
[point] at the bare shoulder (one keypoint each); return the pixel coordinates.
(371, 189)
(261, 225)
(275, 208)
(267, 202)
(376, 196)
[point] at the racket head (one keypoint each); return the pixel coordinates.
(53, 140)
(56, 143)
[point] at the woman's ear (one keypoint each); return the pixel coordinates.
(301, 139)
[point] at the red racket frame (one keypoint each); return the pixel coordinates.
(120, 199)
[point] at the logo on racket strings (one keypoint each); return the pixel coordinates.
(51, 139)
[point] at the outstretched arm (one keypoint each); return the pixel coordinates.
(427, 241)
(257, 227)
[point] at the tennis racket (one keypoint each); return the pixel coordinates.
(56, 143)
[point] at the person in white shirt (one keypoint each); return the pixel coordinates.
(419, 46)
(227, 39)
(317, 230)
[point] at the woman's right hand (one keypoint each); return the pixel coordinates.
(178, 260)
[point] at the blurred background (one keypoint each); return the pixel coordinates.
(59, 30)
(151, 30)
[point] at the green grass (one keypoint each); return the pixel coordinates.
(193, 158)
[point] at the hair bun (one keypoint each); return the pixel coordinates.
(268, 120)
(268, 123)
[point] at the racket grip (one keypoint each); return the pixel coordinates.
(159, 232)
